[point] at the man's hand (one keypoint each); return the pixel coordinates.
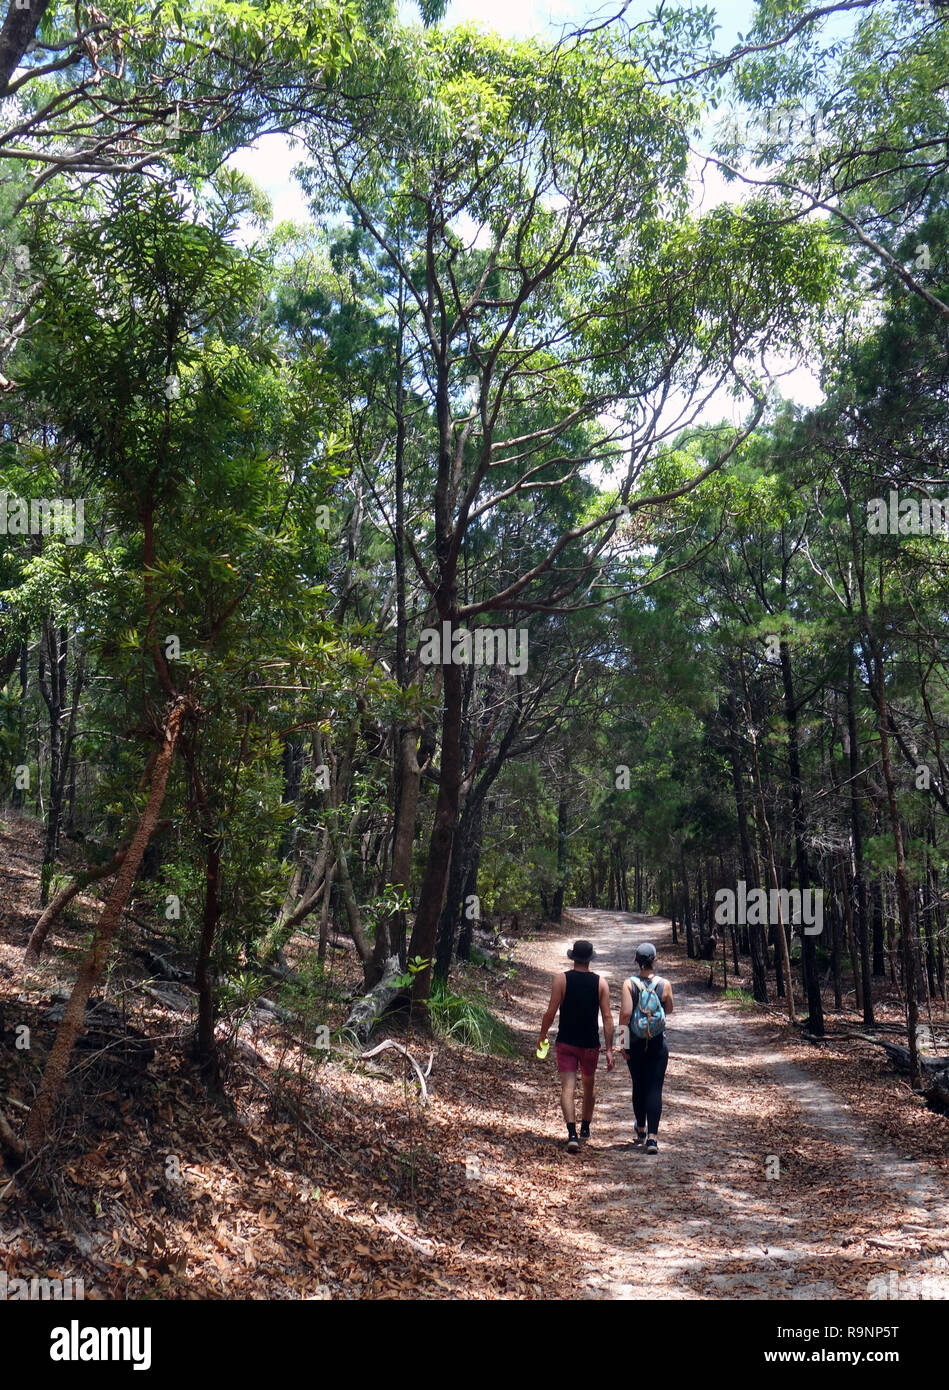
(541, 1040)
(609, 1059)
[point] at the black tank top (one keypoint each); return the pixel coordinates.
(579, 1008)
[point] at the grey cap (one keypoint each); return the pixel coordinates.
(646, 953)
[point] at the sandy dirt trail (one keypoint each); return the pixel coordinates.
(845, 1217)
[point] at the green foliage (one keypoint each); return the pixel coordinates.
(467, 1019)
(416, 966)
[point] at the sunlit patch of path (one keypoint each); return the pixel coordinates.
(704, 1219)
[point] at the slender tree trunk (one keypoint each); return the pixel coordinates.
(54, 1073)
(325, 914)
(206, 1048)
(907, 934)
(435, 880)
(756, 934)
(54, 697)
(815, 1008)
(837, 920)
(63, 898)
(781, 936)
(557, 909)
(879, 938)
(470, 886)
(862, 925)
(392, 940)
(82, 880)
(687, 907)
(18, 799)
(457, 875)
(855, 963)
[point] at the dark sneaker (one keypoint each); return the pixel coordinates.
(639, 1137)
(573, 1144)
(584, 1130)
(651, 1146)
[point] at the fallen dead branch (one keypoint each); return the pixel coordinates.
(899, 1054)
(390, 1042)
(425, 1250)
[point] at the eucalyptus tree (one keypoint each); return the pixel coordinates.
(152, 89)
(532, 204)
(846, 120)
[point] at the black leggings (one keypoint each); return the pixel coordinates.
(647, 1062)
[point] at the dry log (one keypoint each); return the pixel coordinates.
(900, 1055)
(369, 1008)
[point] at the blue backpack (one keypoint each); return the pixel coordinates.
(649, 1017)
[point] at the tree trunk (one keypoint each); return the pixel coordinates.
(54, 696)
(390, 935)
(435, 881)
(837, 921)
(815, 1009)
(206, 1050)
(907, 934)
(349, 899)
(556, 912)
(687, 909)
(370, 1007)
(19, 796)
(54, 1073)
(457, 876)
(862, 924)
(325, 913)
(470, 886)
(756, 934)
(780, 935)
(855, 963)
(63, 898)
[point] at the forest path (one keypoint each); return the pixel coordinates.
(847, 1217)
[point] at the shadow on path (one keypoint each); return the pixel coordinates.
(765, 1187)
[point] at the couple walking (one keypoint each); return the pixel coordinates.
(581, 996)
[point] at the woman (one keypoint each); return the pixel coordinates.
(647, 1058)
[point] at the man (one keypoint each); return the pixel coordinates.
(579, 995)
(646, 1057)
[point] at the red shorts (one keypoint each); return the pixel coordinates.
(570, 1057)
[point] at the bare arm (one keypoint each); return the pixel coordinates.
(606, 1013)
(557, 991)
(667, 1003)
(625, 1014)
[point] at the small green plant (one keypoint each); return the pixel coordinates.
(414, 967)
(238, 993)
(57, 883)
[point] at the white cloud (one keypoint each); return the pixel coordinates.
(270, 164)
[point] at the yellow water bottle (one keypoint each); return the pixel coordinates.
(543, 1049)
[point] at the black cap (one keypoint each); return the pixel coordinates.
(646, 953)
(582, 950)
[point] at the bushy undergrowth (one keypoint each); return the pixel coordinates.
(467, 1019)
